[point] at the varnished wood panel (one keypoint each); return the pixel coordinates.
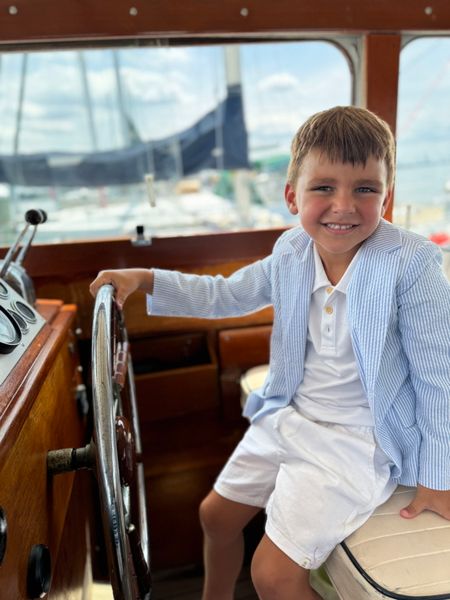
(381, 63)
(176, 534)
(244, 347)
(75, 260)
(175, 375)
(177, 392)
(380, 80)
(72, 571)
(239, 350)
(35, 504)
(19, 390)
(53, 20)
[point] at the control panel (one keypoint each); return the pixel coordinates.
(19, 325)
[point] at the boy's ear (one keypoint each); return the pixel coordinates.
(387, 200)
(289, 196)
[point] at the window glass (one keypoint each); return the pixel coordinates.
(422, 193)
(95, 137)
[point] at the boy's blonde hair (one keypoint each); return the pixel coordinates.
(346, 134)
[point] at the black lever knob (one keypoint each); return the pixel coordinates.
(35, 216)
(3, 534)
(39, 573)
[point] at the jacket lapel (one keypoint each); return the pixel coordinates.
(297, 276)
(371, 300)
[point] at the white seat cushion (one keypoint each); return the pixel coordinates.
(251, 380)
(392, 557)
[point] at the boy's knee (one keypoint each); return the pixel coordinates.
(276, 579)
(271, 583)
(210, 517)
(265, 578)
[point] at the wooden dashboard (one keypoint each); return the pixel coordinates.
(44, 536)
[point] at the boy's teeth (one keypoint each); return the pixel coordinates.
(336, 226)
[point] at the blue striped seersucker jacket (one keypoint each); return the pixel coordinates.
(398, 307)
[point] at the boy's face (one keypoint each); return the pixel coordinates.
(339, 204)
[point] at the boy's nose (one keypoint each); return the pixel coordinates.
(343, 203)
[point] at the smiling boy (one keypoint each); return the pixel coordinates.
(357, 398)
(340, 206)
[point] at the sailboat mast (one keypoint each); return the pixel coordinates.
(234, 134)
(121, 100)
(23, 76)
(17, 170)
(87, 100)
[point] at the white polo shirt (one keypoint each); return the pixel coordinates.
(331, 389)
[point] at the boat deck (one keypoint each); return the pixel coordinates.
(181, 585)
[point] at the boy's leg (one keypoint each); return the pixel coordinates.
(223, 521)
(277, 577)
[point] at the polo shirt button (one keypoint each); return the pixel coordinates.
(329, 290)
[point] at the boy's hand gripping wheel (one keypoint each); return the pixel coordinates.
(115, 453)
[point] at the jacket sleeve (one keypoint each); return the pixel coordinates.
(205, 296)
(424, 321)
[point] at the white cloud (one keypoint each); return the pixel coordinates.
(278, 82)
(152, 86)
(283, 102)
(173, 56)
(272, 122)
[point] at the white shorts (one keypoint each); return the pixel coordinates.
(318, 481)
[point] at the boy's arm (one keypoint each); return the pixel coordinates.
(424, 322)
(179, 294)
(427, 499)
(206, 296)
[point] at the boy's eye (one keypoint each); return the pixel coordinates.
(322, 188)
(366, 190)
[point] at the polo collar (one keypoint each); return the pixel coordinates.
(321, 278)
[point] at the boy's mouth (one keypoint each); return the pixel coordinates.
(339, 226)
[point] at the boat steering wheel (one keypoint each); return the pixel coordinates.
(118, 453)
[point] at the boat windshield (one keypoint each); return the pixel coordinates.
(177, 139)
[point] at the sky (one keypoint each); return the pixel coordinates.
(423, 121)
